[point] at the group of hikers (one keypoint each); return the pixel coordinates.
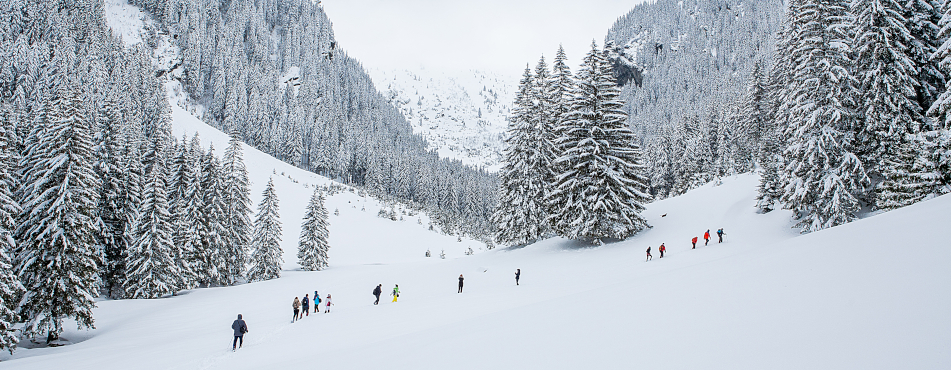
(302, 308)
(379, 290)
(706, 237)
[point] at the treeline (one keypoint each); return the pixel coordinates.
(684, 67)
(572, 166)
(271, 71)
(96, 197)
(856, 108)
(845, 111)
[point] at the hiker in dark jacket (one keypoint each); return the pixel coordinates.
(648, 254)
(376, 292)
(518, 274)
(720, 235)
(305, 307)
(240, 327)
(460, 283)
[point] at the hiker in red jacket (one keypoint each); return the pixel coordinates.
(694, 241)
(662, 249)
(706, 236)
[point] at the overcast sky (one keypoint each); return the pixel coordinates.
(452, 35)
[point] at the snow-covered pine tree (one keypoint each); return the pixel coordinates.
(10, 288)
(772, 143)
(562, 83)
(769, 192)
(213, 249)
(903, 182)
(186, 212)
(236, 199)
(266, 259)
(544, 103)
(131, 175)
(600, 190)
(313, 244)
(822, 175)
(922, 18)
(888, 83)
(940, 110)
(755, 109)
(58, 226)
(109, 148)
(520, 215)
(151, 269)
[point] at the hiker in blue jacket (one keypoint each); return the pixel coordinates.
(316, 302)
(240, 327)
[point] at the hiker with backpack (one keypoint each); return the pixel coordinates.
(460, 283)
(396, 292)
(240, 328)
(328, 304)
(720, 234)
(648, 254)
(376, 293)
(706, 237)
(316, 302)
(518, 274)
(305, 307)
(662, 249)
(296, 306)
(694, 242)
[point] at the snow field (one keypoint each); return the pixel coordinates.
(125, 20)
(866, 295)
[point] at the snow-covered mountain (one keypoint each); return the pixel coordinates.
(463, 115)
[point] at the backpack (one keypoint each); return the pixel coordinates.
(317, 299)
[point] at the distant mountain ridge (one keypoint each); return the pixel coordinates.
(462, 115)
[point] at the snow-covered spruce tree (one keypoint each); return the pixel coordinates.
(131, 176)
(769, 192)
(778, 104)
(940, 110)
(313, 244)
(57, 257)
(520, 216)
(213, 254)
(236, 199)
(544, 104)
(822, 175)
(922, 18)
(185, 205)
(109, 150)
(756, 109)
(904, 181)
(10, 288)
(600, 191)
(266, 259)
(151, 269)
(887, 79)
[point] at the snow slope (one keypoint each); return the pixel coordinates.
(867, 295)
(126, 20)
(462, 115)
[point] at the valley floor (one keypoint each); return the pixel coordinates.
(867, 295)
